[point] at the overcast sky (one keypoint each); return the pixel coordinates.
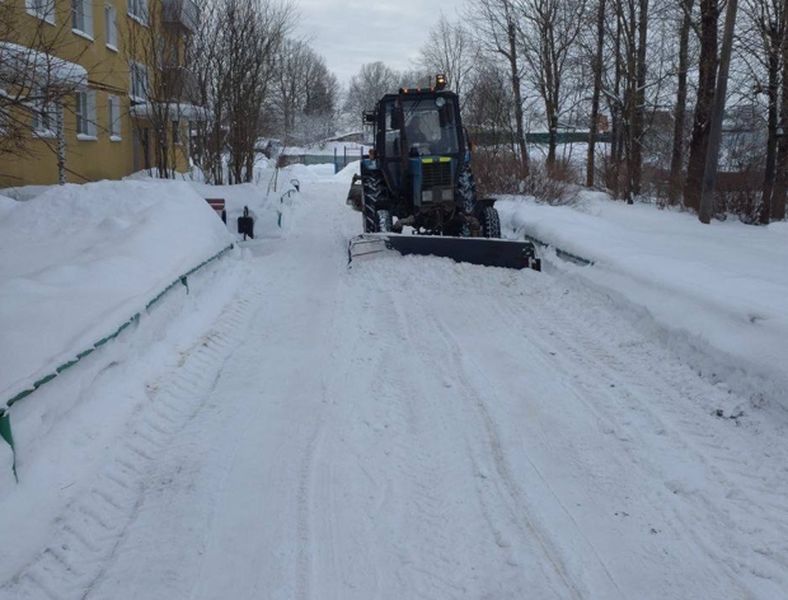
(349, 33)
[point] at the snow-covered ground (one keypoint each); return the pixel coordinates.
(79, 260)
(720, 292)
(408, 427)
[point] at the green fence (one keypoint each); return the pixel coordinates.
(5, 417)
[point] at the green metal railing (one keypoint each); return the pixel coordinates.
(5, 418)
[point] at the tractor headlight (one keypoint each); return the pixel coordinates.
(447, 195)
(426, 196)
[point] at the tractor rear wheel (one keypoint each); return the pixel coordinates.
(374, 198)
(491, 223)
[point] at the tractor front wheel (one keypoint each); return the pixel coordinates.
(491, 223)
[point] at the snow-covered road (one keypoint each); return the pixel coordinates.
(416, 428)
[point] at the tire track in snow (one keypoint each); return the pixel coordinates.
(620, 377)
(90, 529)
(519, 510)
(448, 362)
(304, 514)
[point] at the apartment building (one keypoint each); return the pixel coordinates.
(131, 106)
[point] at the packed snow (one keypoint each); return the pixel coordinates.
(722, 288)
(404, 427)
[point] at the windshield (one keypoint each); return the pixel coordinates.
(430, 128)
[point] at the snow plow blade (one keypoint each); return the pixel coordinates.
(510, 254)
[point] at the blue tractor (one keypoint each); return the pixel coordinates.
(418, 176)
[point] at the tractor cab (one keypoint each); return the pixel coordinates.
(419, 173)
(420, 146)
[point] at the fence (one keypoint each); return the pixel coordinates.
(5, 417)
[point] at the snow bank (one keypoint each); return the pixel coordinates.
(79, 260)
(722, 288)
(310, 172)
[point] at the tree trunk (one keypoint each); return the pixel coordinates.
(718, 112)
(615, 112)
(781, 183)
(518, 99)
(680, 111)
(640, 101)
(630, 100)
(772, 93)
(552, 140)
(593, 125)
(61, 145)
(707, 77)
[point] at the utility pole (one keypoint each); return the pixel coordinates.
(717, 113)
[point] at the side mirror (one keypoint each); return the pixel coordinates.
(370, 116)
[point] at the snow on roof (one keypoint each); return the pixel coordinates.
(21, 62)
(181, 110)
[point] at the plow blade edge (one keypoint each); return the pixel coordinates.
(511, 254)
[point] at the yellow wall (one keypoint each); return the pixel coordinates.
(108, 73)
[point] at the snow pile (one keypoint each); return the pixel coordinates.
(79, 260)
(722, 289)
(311, 173)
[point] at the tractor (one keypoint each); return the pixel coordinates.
(417, 179)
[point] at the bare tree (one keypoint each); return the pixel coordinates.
(780, 192)
(680, 109)
(451, 50)
(369, 85)
(236, 58)
(717, 115)
(549, 32)
(254, 33)
(626, 95)
(499, 30)
(707, 77)
(598, 57)
(761, 40)
(305, 94)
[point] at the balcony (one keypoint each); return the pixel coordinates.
(181, 13)
(179, 84)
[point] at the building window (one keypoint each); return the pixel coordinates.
(44, 114)
(139, 82)
(111, 27)
(86, 114)
(43, 9)
(82, 17)
(138, 10)
(113, 112)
